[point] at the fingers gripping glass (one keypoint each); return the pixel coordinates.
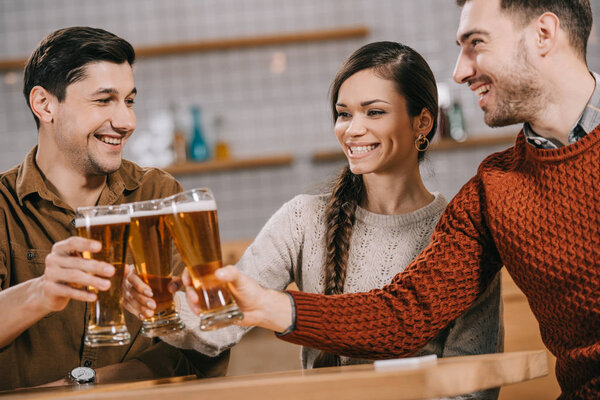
(151, 249)
(192, 221)
(110, 226)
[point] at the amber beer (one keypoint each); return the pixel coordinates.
(151, 250)
(194, 226)
(110, 226)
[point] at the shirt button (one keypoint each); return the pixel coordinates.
(30, 255)
(87, 363)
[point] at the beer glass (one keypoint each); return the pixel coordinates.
(193, 224)
(110, 226)
(151, 249)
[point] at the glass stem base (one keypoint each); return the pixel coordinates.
(220, 318)
(117, 335)
(154, 326)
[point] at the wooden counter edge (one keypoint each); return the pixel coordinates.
(355, 382)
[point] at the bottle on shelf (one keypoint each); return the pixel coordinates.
(451, 123)
(443, 129)
(456, 122)
(198, 149)
(179, 144)
(221, 145)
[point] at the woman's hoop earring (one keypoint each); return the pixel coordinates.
(422, 143)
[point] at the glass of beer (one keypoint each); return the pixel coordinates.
(110, 226)
(151, 249)
(193, 224)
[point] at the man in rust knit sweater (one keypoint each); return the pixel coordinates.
(533, 208)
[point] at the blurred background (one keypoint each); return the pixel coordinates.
(261, 102)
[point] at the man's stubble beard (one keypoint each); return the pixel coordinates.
(519, 92)
(101, 167)
(84, 161)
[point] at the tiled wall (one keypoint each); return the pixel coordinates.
(263, 112)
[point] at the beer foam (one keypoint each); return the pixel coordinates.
(102, 220)
(194, 206)
(146, 213)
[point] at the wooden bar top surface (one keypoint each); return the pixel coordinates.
(450, 376)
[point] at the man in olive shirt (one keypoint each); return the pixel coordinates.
(79, 86)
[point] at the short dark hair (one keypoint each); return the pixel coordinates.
(61, 57)
(575, 16)
(400, 64)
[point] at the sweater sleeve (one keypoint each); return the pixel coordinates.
(270, 260)
(274, 256)
(437, 287)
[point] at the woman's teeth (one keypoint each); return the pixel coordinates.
(361, 149)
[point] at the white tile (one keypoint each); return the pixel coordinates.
(264, 113)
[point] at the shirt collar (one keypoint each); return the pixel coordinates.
(118, 182)
(590, 118)
(30, 180)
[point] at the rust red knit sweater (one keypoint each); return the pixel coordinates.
(535, 211)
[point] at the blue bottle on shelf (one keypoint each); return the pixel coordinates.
(199, 150)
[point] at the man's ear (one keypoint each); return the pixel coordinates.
(423, 123)
(547, 28)
(42, 103)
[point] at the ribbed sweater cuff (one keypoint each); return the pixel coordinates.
(309, 321)
(292, 326)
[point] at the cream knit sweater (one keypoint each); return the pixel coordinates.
(291, 248)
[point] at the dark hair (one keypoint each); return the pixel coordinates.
(415, 82)
(61, 57)
(575, 16)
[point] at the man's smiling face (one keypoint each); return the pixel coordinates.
(494, 62)
(96, 117)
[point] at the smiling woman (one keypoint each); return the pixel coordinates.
(384, 104)
(374, 128)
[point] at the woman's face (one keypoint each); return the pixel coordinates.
(373, 126)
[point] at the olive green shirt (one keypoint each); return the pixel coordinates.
(32, 219)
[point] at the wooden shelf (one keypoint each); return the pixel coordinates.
(191, 168)
(445, 144)
(230, 43)
(492, 140)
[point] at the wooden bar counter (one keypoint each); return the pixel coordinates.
(447, 377)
